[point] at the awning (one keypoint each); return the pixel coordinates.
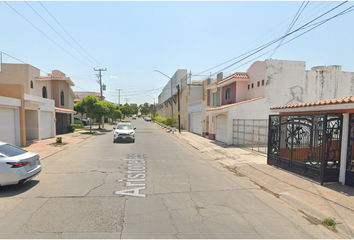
(64, 110)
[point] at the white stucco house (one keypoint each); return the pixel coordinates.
(267, 84)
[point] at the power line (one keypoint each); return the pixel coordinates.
(57, 32)
(263, 46)
(256, 50)
(46, 35)
(315, 26)
(69, 34)
(296, 17)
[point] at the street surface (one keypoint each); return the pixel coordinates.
(157, 187)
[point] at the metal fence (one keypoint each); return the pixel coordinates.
(306, 144)
(251, 134)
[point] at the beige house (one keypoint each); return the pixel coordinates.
(29, 103)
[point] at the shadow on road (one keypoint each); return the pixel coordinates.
(14, 190)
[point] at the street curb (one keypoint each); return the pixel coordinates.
(318, 216)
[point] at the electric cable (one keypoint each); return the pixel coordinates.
(46, 35)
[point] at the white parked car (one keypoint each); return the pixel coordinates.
(124, 131)
(17, 166)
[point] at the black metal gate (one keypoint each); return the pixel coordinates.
(349, 176)
(306, 144)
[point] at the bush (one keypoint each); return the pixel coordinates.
(71, 128)
(59, 140)
(166, 121)
(78, 124)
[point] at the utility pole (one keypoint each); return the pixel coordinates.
(126, 100)
(119, 97)
(179, 115)
(100, 75)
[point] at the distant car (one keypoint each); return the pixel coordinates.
(134, 117)
(84, 121)
(148, 119)
(124, 132)
(17, 165)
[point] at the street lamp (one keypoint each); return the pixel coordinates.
(171, 94)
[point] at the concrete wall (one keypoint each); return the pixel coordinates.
(323, 83)
(256, 73)
(176, 80)
(24, 74)
(241, 91)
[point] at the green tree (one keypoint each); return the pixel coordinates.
(116, 114)
(111, 108)
(100, 110)
(126, 110)
(79, 108)
(134, 108)
(88, 103)
(144, 108)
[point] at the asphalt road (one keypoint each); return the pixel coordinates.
(157, 187)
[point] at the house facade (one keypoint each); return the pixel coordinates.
(28, 105)
(264, 85)
(63, 96)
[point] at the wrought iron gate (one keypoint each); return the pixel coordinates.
(349, 176)
(306, 144)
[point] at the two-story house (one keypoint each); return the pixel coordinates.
(28, 104)
(220, 95)
(266, 84)
(63, 96)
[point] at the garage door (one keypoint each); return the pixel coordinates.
(7, 125)
(221, 127)
(196, 123)
(46, 125)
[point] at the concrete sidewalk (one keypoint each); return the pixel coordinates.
(46, 149)
(315, 201)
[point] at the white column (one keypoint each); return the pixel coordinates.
(343, 156)
(39, 124)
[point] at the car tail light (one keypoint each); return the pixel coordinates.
(17, 164)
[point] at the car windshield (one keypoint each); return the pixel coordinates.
(10, 151)
(125, 127)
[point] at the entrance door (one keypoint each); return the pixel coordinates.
(46, 125)
(221, 128)
(196, 126)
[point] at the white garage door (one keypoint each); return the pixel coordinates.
(46, 125)
(221, 127)
(196, 123)
(7, 125)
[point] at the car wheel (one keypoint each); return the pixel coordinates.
(133, 140)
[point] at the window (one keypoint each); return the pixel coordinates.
(215, 99)
(248, 87)
(262, 82)
(31, 84)
(258, 83)
(252, 85)
(44, 92)
(62, 97)
(228, 93)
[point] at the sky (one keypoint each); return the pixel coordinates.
(131, 39)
